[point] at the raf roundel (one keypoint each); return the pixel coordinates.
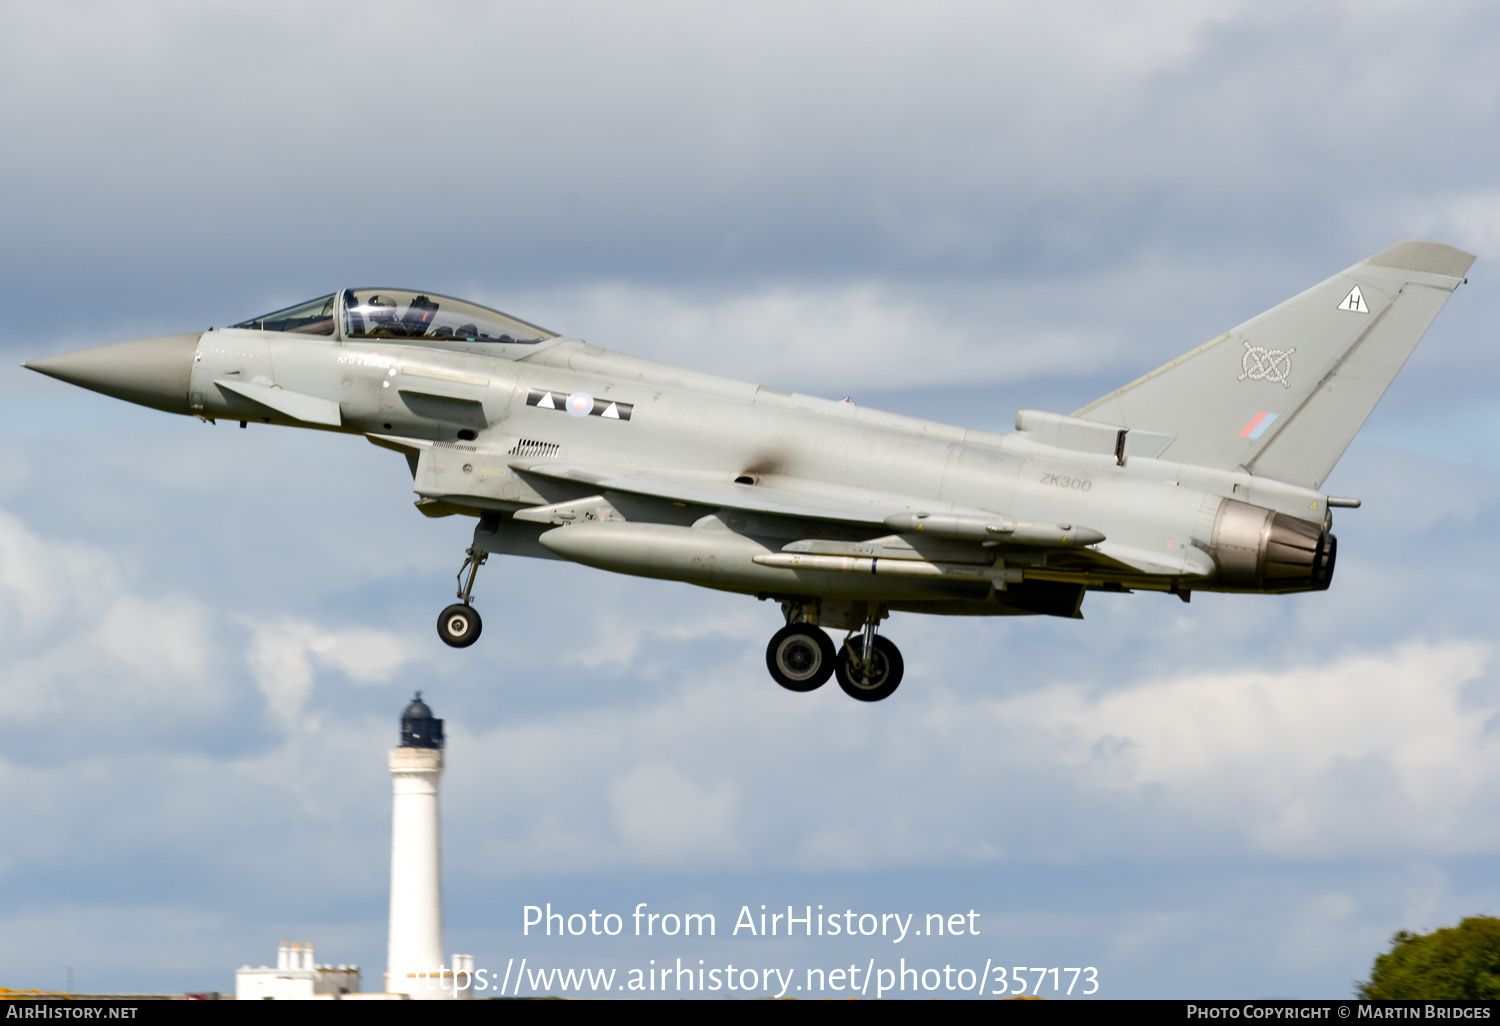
(580, 404)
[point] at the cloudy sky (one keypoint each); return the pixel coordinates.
(951, 210)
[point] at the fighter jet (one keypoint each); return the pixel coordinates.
(1203, 475)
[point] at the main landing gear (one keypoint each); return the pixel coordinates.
(869, 679)
(459, 625)
(800, 657)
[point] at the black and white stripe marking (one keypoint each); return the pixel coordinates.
(579, 404)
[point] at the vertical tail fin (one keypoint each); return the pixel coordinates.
(1283, 394)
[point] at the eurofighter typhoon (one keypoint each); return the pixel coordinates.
(1203, 475)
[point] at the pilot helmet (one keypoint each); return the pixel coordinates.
(382, 309)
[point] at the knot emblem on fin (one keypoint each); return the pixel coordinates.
(1260, 364)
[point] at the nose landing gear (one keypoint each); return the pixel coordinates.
(459, 625)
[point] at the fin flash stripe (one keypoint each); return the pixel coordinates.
(1257, 425)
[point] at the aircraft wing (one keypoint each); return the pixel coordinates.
(943, 523)
(783, 497)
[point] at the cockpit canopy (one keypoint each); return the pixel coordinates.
(399, 314)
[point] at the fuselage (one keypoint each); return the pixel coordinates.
(467, 420)
(1201, 475)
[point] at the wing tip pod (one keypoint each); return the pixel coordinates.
(1424, 257)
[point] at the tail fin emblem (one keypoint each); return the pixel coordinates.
(1354, 302)
(1273, 365)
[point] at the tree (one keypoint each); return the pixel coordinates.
(1461, 962)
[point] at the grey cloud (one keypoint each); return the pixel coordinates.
(583, 142)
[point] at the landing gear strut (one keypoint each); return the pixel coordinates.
(869, 680)
(869, 667)
(459, 625)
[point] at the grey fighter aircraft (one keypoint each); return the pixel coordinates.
(1203, 475)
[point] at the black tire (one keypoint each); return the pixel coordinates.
(800, 657)
(459, 625)
(885, 675)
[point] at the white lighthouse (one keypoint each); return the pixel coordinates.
(415, 963)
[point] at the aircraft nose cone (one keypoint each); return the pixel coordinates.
(149, 371)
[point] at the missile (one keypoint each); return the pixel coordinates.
(994, 530)
(883, 567)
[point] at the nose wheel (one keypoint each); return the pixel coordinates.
(459, 625)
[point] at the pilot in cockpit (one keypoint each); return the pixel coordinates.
(382, 313)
